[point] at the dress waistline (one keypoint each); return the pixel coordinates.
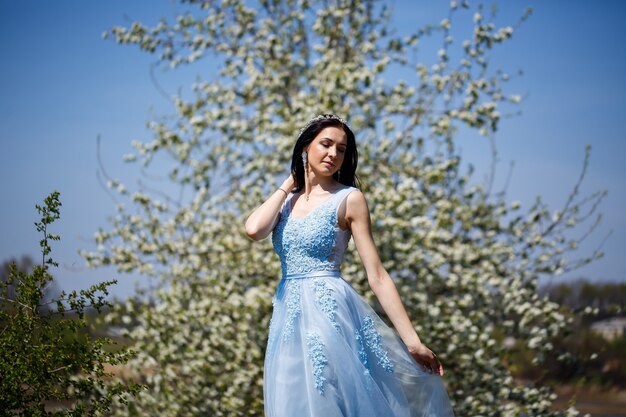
(313, 274)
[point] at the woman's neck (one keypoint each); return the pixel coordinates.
(321, 184)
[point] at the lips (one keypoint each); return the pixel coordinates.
(328, 164)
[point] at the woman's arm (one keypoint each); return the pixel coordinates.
(263, 219)
(358, 218)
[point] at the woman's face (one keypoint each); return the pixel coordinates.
(327, 150)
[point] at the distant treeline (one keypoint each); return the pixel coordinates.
(608, 298)
(25, 264)
(594, 360)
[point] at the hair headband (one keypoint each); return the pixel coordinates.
(322, 117)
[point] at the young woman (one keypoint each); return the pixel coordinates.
(328, 353)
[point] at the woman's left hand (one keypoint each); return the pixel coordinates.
(426, 358)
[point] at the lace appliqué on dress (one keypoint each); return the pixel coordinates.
(362, 352)
(373, 340)
(325, 300)
(318, 360)
(363, 359)
(293, 308)
(307, 244)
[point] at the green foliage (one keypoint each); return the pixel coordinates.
(608, 298)
(591, 358)
(587, 358)
(466, 261)
(49, 366)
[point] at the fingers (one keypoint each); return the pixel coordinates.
(437, 367)
(433, 365)
(432, 362)
(429, 365)
(429, 361)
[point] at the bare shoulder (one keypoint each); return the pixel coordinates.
(356, 196)
(356, 205)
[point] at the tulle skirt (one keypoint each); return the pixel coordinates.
(330, 355)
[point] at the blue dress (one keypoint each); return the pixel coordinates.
(328, 353)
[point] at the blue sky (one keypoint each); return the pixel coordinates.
(62, 86)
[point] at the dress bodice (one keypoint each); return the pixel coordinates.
(314, 242)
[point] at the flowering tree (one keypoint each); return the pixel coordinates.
(465, 261)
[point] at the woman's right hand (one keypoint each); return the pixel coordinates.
(288, 184)
(262, 220)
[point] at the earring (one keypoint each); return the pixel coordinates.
(305, 160)
(338, 174)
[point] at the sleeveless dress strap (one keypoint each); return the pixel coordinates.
(341, 196)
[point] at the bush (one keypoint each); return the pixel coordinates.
(49, 365)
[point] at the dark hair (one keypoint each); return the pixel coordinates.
(350, 160)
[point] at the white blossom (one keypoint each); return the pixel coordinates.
(200, 338)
